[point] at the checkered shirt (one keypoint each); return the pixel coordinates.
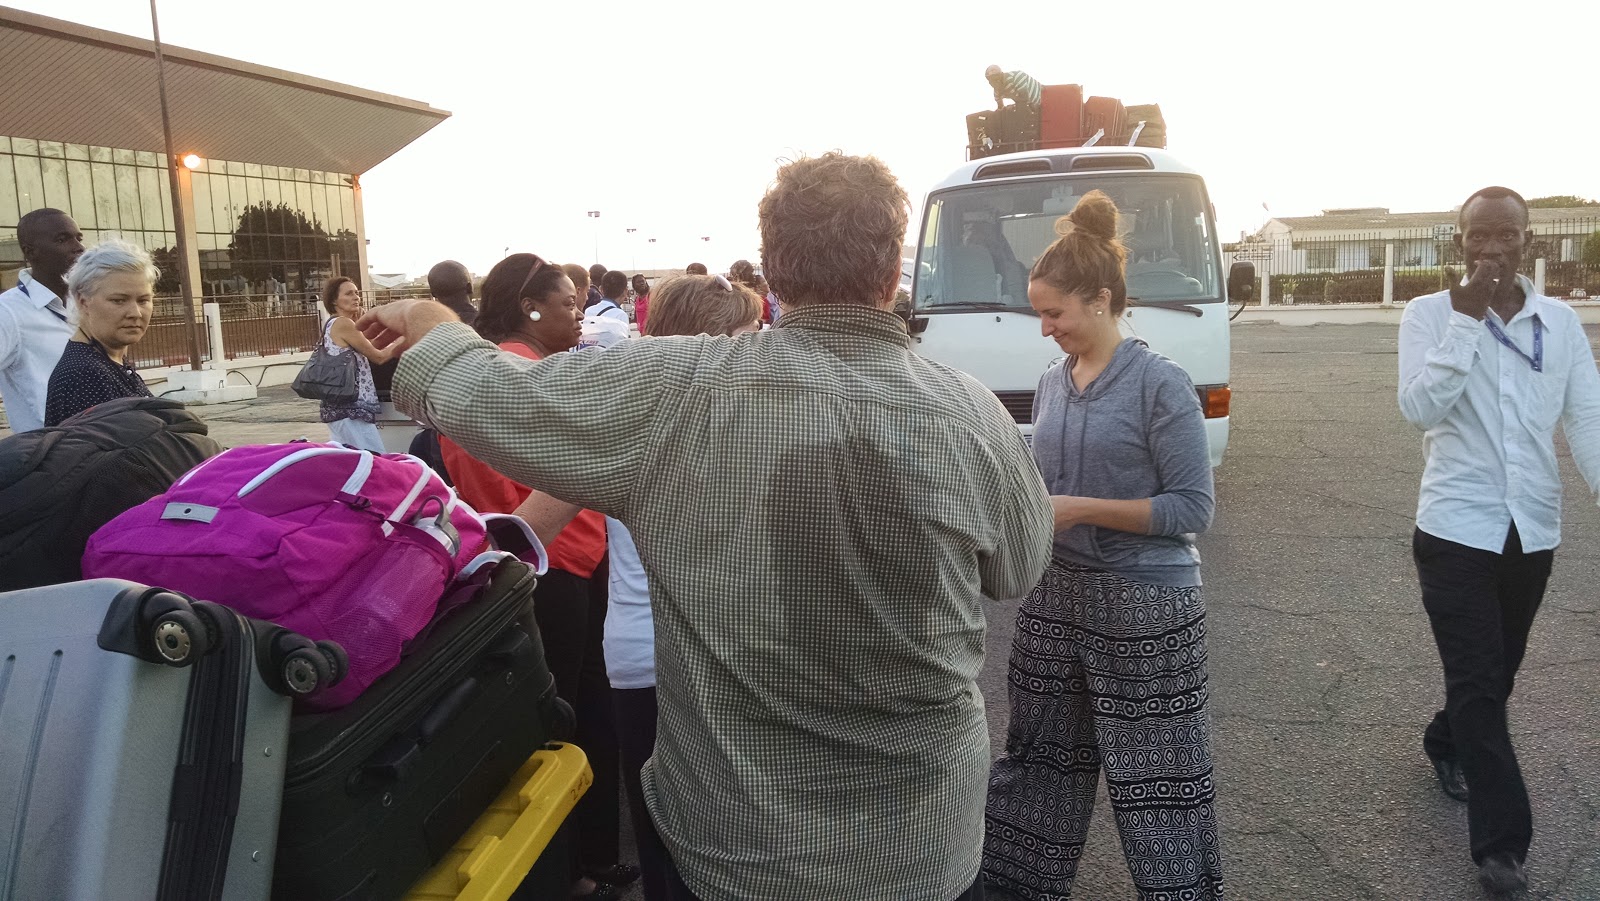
(821, 513)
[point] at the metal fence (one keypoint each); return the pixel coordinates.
(251, 326)
(1398, 264)
(256, 326)
(166, 343)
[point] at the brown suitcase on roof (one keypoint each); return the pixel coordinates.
(1060, 115)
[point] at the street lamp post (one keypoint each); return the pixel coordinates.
(185, 288)
(633, 245)
(595, 214)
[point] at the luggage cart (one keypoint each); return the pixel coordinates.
(490, 861)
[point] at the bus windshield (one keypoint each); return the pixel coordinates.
(979, 243)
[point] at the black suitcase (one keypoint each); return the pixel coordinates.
(1105, 114)
(1154, 132)
(377, 792)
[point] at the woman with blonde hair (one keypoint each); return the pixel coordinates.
(110, 294)
(1108, 666)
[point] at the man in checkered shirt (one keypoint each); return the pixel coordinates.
(822, 513)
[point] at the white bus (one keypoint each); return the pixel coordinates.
(985, 225)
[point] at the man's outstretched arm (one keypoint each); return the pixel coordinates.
(559, 425)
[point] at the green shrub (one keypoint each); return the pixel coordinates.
(1591, 250)
(1357, 285)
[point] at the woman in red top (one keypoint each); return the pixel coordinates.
(532, 309)
(641, 302)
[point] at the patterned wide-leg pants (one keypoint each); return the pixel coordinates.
(1106, 672)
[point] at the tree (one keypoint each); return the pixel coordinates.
(1560, 201)
(1591, 250)
(269, 234)
(166, 260)
(344, 245)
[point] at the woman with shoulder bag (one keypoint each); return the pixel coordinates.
(352, 423)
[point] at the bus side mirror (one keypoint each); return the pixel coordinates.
(1242, 282)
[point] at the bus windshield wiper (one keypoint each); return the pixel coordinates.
(1182, 306)
(975, 307)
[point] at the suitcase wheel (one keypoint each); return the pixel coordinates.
(303, 667)
(181, 637)
(338, 661)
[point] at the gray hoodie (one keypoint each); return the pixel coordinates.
(1137, 431)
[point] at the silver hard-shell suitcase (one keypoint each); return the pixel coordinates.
(142, 743)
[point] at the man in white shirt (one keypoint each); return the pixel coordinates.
(33, 315)
(613, 286)
(1487, 369)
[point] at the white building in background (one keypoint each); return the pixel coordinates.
(1341, 240)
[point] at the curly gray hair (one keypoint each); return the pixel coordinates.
(101, 261)
(832, 230)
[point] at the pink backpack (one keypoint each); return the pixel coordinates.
(326, 540)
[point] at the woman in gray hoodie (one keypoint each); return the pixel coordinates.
(1108, 667)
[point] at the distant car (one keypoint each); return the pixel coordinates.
(908, 270)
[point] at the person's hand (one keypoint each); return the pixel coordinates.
(403, 323)
(1067, 509)
(1474, 297)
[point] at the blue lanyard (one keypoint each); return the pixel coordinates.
(1537, 360)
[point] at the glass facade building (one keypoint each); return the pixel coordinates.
(265, 235)
(273, 232)
(107, 191)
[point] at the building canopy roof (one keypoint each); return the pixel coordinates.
(67, 82)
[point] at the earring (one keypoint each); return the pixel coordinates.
(1099, 312)
(534, 315)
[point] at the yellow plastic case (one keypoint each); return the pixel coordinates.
(489, 861)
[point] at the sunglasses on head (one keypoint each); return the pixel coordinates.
(723, 282)
(538, 264)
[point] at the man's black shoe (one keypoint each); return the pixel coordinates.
(1501, 876)
(1451, 779)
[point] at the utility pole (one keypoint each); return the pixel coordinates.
(185, 288)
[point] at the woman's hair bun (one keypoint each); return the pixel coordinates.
(1095, 214)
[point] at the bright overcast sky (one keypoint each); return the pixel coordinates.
(669, 118)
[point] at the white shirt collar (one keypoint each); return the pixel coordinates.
(41, 298)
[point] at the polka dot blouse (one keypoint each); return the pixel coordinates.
(85, 376)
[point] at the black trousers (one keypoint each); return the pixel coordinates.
(680, 892)
(571, 612)
(1481, 605)
(636, 736)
